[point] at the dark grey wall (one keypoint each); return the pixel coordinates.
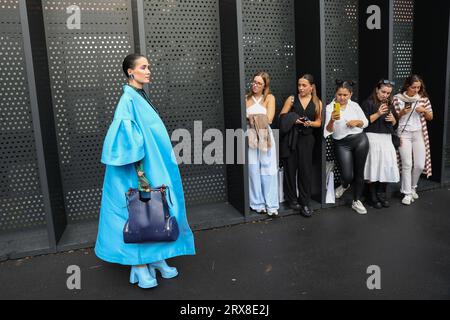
(86, 81)
(183, 44)
(269, 45)
(341, 44)
(21, 197)
(233, 88)
(341, 54)
(374, 47)
(430, 60)
(403, 22)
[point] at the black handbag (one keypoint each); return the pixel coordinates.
(395, 140)
(149, 219)
(394, 136)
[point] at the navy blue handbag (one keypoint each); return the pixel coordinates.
(149, 220)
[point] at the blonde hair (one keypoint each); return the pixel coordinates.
(266, 78)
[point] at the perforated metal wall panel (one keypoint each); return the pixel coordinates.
(86, 81)
(341, 53)
(403, 40)
(447, 147)
(183, 45)
(21, 201)
(269, 44)
(341, 43)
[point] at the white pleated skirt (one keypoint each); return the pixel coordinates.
(381, 164)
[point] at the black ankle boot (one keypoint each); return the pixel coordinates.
(294, 205)
(306, 211)
(381, 194)
(373, 200)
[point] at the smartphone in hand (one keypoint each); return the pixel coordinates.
(336, 116)
(337, 107)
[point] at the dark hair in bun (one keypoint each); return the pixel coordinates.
(346, 84)
(130, 62)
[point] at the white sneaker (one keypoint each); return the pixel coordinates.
(414, 195)
(340, 191)
(272, 212)
(359, 207)
(407, 200)
(261, 211)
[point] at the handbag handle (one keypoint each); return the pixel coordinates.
(143, 183)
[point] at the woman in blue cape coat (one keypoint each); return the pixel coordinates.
(137, 134)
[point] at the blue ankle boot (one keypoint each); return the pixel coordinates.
(143, 276)
(166, 271)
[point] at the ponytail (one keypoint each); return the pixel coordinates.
(315, 98)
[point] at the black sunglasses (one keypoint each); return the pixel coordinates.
(392, 83)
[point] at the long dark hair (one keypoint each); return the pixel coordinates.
(389, 103)
(379, 85)
(130, 63)
(308, 77)
(409, 82)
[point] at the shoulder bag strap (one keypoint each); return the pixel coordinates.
(409, 118)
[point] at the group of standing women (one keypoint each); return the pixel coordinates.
(137, 144)
(365, 141)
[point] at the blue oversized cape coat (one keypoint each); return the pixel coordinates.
(137, 132)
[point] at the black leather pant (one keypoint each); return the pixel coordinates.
(351, 154)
